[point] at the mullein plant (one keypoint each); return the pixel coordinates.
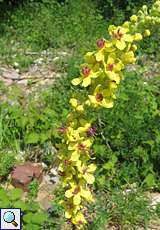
(101, 73)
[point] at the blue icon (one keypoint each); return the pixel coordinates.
(9, 217)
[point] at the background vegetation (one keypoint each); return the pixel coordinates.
(127, 142)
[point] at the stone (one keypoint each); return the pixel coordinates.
(38, 61)
(155, 199)
(20, 156)
(8, 82)
(16, 64)
(23, 82)
(56, 59)
(63, 53)
(53, 171)
(45, 203)
(45, 196)
(54, 179)
(44, 165)
(9, 74)
(22, 175)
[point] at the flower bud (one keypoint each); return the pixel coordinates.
(138, 37)
(126, 24)
(86, 71)
(145, 8)
(134, 18)
(140, 13)
(100, 43)
(148, 18)
(156, 4)
(147, 33)
(133, 48)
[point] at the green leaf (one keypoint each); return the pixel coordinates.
(43, 137)
(101, 180)
(150, 180)
(15, 194)
(32, 138)
(5, 203)
(28, 217)
(124, 96)
(34, 206)
(21, 204)
(100, 149)
(31, 226)
(3, 194)
(39, 218)
(111, 163)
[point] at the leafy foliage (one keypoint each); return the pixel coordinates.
(33, 189)
(121, 208)
(7, 161)
(26, 28)
(127, 144)
(31, 120)
(33, 216)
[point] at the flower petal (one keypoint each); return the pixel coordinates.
(128, 38)
(91, 168)
(80, 108)
(76, 81)
(69, 193)
(77, 199)
(92, 99)
(120, 44)
(75, 156)
(68, 214)
(89, 178)
(86, 81)
(86, 194)
(107, 103)
(99, 55)
(73, 102)
(89, 57)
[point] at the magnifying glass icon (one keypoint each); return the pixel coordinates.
(9, 217)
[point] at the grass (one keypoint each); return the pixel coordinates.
(67, 28)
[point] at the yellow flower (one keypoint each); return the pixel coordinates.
(128, 57)
(76, 105)
(103, 46)
(77, 192)
(82, 145)
(85, 127)
(147, 33)
(101, 97)
(73, 135)
(133, 48)
(79, 220)
(70, 209)
(86, 172)
(112, 67)
(120, 36)
(137, 37)
(86, 75)
(90, 58)
(79, 148)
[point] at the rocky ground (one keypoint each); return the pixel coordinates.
(47, 66)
